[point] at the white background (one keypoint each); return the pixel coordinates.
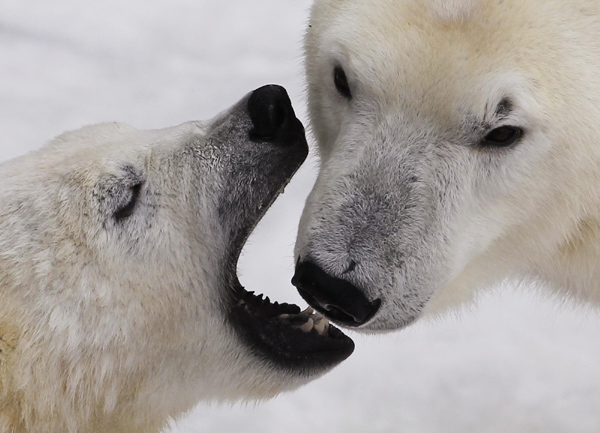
(512, 363)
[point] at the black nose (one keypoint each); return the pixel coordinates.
(272, 114)
(336, 298)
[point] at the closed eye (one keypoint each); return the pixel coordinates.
(127, 210)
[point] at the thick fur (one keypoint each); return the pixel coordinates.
(115, 326)
(408, 205)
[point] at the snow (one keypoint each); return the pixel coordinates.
(514, 362)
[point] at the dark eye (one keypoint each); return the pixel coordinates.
(127, 210)
(341, 82)
(503, 136)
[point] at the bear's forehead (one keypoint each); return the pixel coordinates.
(433, 30)
(112, 150)
(405, 52)
(89, 154)
(96, 137)
(452, 11)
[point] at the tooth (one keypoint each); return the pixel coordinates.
(308, 326)
(320, 325)
(308, 311)
(284, 316)
(242, 302)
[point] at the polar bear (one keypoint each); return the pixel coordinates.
(119, 301)
(459, 146)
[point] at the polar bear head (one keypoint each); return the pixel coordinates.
(458, 147)
(118, 253)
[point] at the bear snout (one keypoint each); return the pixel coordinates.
(338, 299)
(272, 115)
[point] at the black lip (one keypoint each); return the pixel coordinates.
(283, 343)
(337, 315)
(335, 298)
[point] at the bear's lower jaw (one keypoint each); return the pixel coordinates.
(295, 340)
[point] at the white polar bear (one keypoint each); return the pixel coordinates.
(119, 301)
(459, 144)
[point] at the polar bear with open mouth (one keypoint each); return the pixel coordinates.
(459, 144)
(119, 301)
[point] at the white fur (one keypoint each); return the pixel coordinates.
(404, 190)
(108, 327)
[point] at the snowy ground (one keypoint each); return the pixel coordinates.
(514, 363)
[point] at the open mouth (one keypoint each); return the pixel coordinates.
(282, 333)
(288, 336)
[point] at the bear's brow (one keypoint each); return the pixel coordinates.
(504, 108)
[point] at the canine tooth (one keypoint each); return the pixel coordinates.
(308, 326)
(320, 325)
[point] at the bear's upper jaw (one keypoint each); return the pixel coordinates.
(287, 336)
